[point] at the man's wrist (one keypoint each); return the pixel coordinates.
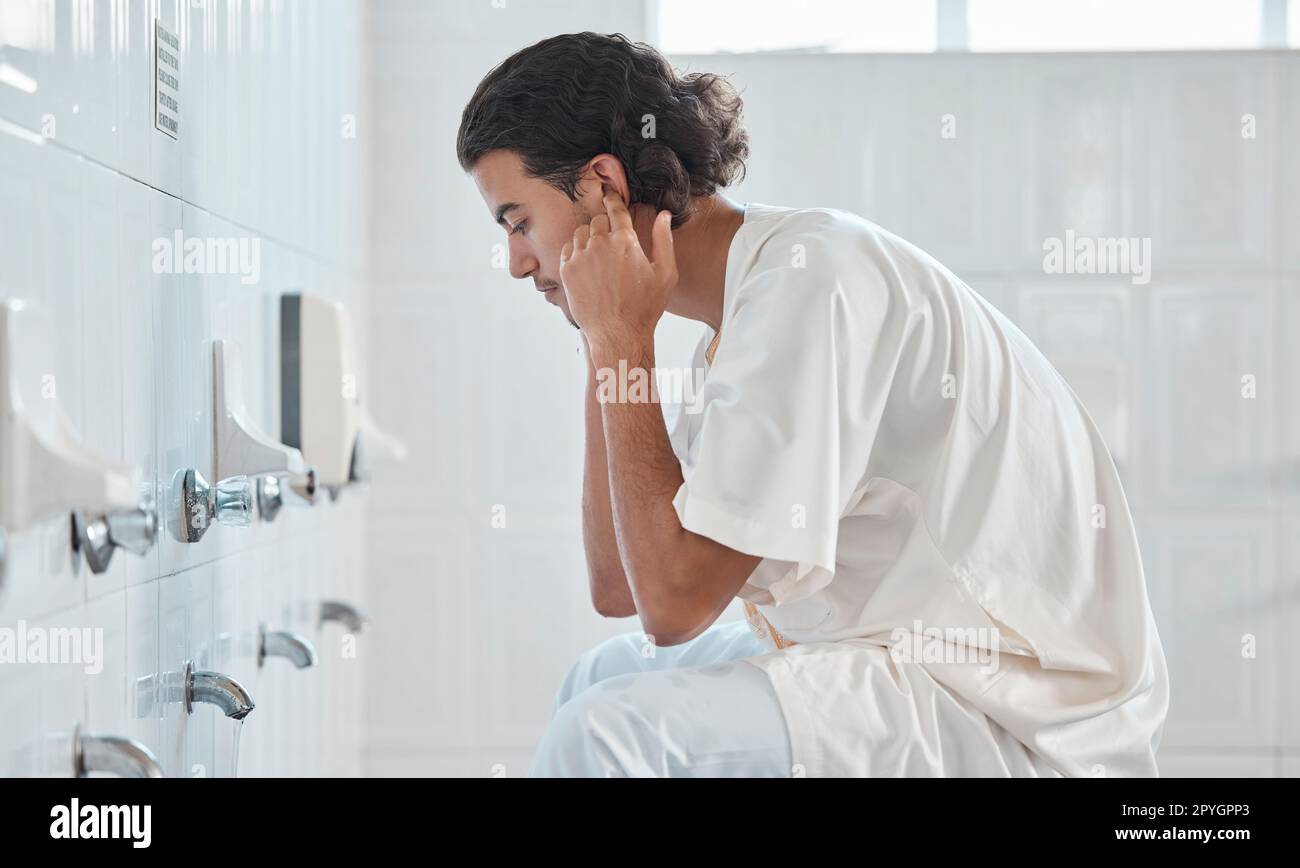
(607, 348)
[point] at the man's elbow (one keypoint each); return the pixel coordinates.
(673, 625)
(611, 605)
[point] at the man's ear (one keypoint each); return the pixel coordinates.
(604, 173)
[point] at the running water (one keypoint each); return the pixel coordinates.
(234, 747)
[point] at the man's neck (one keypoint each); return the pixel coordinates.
(701, 246)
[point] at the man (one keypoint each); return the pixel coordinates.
(935, 554)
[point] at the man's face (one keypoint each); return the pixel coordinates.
(538, 219)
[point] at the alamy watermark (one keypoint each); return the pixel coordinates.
(75, 820)
(628, 385)
(1081, 255)
(946, 645)
(23, 644)
(208, 255)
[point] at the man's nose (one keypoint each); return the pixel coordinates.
(522, 264)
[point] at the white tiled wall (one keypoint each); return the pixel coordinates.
(487, 379)
(86, 184)
(490, 387)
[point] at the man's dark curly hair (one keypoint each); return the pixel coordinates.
(566, 99)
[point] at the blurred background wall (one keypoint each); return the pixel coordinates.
(978, 156)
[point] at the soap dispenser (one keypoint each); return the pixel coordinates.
(321, 411)
(44, 468)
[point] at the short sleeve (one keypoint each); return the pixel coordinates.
(786, 420)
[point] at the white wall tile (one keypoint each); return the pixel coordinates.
(62, 697)
(1214, 592)
(1206, 440)
(85, 198)
(107, 678)
(141, 667)
(143, 218)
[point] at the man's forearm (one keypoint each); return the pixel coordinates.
(610, 593)
(680, 581)
(659, 557)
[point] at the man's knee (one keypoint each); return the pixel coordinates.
(619, 655)
(594, 734)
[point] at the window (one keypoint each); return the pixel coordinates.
(723, 26)
(1111, 25)
(719, 26)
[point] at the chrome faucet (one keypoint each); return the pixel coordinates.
(116, 755)
(347, 615)
(271, 492)
(282, 643)
(220, 690)
(229, 502)
(99, 535)
(188, 687)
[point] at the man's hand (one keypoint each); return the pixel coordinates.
(614, 290)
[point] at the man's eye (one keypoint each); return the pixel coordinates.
(519, 227)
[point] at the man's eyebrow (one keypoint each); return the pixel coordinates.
(506, 209)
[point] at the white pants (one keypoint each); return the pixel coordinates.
(690, 710)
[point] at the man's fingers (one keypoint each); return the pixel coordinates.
(619, 217)
(599, 225)
(566, 252)
(663, 258)
(580, 237)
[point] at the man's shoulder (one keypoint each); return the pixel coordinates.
(822, 253)
(826, 237)
(819, 224)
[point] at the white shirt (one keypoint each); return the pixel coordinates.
(904, 460)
